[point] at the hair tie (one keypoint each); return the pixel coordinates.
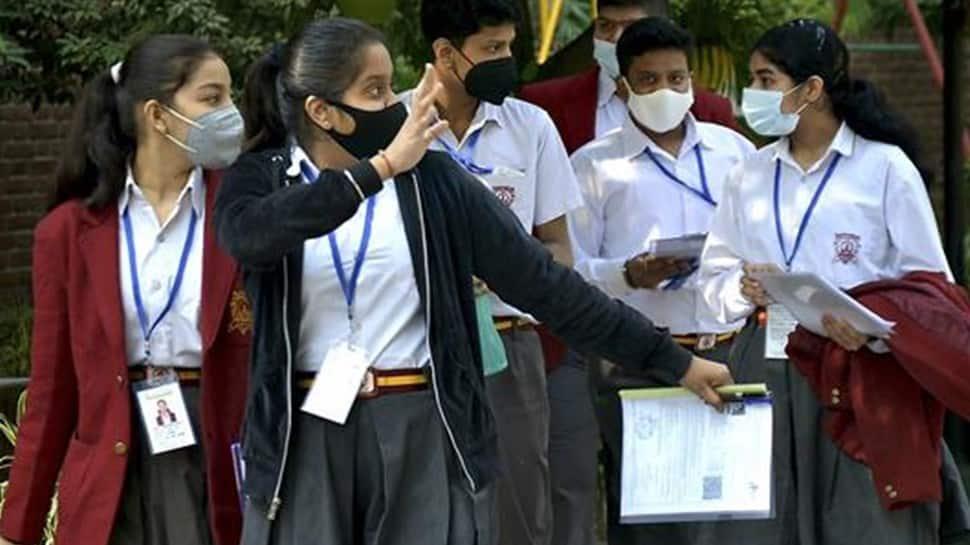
(115, 72)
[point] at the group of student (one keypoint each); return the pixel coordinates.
(302, 283)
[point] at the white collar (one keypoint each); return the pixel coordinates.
(843, 144)
(635, 141)
(194, 188)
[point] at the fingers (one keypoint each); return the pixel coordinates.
(436, 130)
(843, 334)
(710, 396)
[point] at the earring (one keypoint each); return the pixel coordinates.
(327, 126)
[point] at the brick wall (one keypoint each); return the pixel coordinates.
(30, 144)
(905, 77)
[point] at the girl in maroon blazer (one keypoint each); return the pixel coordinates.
(135, 307)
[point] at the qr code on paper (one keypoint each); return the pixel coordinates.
(712, 488)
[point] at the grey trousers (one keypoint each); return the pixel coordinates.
(164, 501)
(386, 477)
(573, 444)
(520, 404)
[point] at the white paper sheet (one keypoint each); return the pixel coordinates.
(809, 297)
(684, 461)
(685, 247)
(781, 323)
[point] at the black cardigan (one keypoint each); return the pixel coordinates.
(263, 222)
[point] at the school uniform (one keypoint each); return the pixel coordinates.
(585, 106)
(635, 193)
(83, 427)
(866, 217)
(515, 149)
(414, 467)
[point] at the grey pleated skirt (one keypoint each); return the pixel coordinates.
(165, 500)
(386, 477)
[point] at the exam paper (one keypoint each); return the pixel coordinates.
(684, 461)
(809, 297)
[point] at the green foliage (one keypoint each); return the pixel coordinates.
(65, 42)
(8, 431)
(53, 46)
(15, 327)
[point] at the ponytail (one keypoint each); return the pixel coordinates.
(265, 125)
(93, 166)
(322, 60)
(864, 109)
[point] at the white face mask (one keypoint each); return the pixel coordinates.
(762, 111)
(661, 111)
(605, 54)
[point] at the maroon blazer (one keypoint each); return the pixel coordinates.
(571, 103)
(77, 428)
(887, 410)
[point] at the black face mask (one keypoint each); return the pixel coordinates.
(492, 80)
(375, 130)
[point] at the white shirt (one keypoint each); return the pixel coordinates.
(176, 341)
(387, 307)
(532, 174)
(630, 202)
(611, 112)
(873, 220)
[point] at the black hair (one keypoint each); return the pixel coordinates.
(103, 134)
(456, 20)
(804, 48)
(652, 7)
(651, 34)
(323, 60)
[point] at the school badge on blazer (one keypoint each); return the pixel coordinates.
(240, 313)
(847, 246)
(505, 194)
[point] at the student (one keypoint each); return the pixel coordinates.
(592, 103)
(513, 147)
(839, 195)
(129, 283)
(585, 106)
(659, 175)
(394, 442)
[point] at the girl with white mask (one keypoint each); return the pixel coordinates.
(136, 310)
(839, 195)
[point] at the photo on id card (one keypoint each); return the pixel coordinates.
(166, 419)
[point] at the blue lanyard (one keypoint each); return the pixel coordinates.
(349, 287)
(465, 159)
(147, 330)
(789, 258)
(705, 195)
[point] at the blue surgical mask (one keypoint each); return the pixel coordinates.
(762, 111)
(214, 140)
(605, 54)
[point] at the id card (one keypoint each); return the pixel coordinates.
(781, 323)
(337, 383)
(163, 411)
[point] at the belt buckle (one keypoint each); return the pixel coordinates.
(368, 385)
(706, 342)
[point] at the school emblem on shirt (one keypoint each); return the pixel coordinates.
(847, 246)
(505, 194)
(240, 313)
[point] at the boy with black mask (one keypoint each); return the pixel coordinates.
(514, 148)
